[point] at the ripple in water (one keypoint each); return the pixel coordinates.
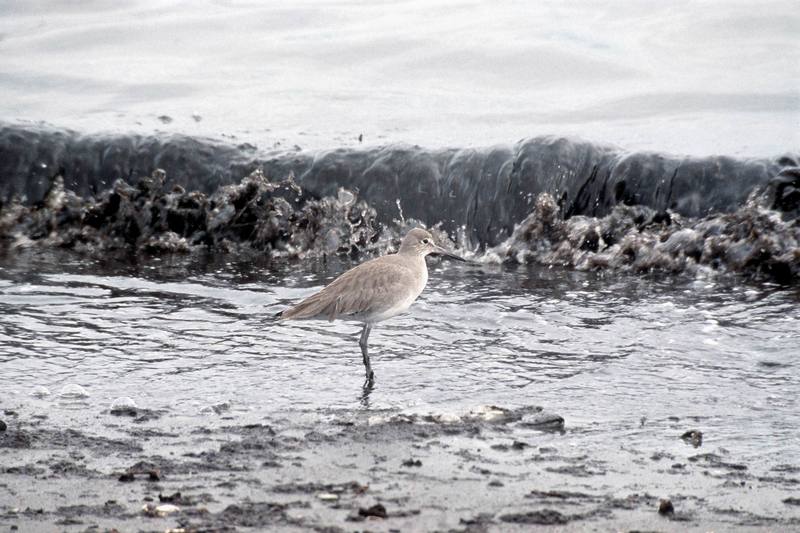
(604, 352)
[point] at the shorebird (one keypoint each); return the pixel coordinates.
(374, 291)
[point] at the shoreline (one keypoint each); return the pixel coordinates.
(490, 469)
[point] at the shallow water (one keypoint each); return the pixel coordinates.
(613, 355)
(695, 78)
(240, 407)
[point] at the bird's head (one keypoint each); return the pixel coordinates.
(420, 242)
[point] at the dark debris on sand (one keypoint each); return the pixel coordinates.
(693, 437)
(218, 480)
(544, 517)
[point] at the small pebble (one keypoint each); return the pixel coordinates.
(544, 421)
(167, 508)
(40, 392)
(490, 413)
(693, 437)
(3, 426)
(124, 407)
(448, 418)
(160, 510)
(665, 507)
(377, 510)
(73, 390)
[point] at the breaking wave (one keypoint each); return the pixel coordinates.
(546, 200)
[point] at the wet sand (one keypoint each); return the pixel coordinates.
(489, 469)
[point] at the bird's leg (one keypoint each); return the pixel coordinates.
(364, 351)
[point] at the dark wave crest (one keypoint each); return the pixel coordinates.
(548, 200)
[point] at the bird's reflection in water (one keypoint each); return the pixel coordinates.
(363, 398)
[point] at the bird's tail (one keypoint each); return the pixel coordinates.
(317, 305)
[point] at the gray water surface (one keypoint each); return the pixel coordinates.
(607, 353)
(698, 78)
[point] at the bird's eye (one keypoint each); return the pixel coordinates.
(425, 241)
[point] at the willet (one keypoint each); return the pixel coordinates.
(374, 291)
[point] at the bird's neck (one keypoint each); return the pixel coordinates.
(411, 255)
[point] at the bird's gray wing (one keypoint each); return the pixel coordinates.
(372, 292)
(368, 288)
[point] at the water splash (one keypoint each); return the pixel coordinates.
(753, 240)
(146, 218)
(277, 219)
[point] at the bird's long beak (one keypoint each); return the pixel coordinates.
(441, 251)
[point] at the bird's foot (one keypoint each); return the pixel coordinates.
(370, 380)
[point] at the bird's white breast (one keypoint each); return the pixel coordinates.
(402, 303)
